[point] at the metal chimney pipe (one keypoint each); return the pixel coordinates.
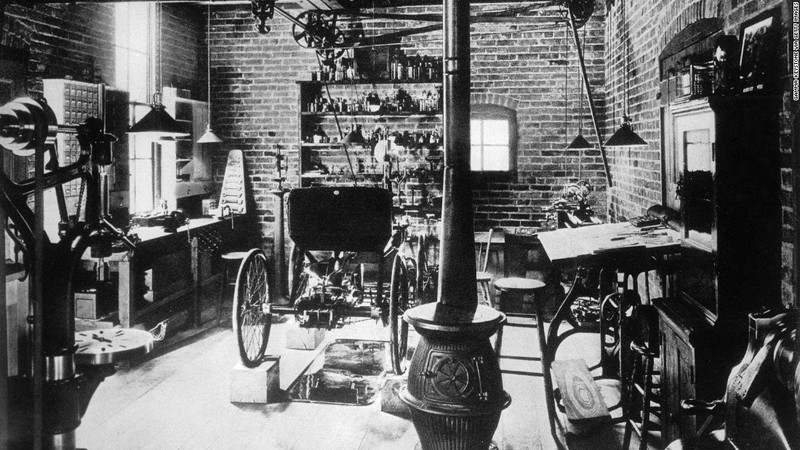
(455, 388)
(457, 286)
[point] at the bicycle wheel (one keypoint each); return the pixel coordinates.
(398, 304)
(296, 278)
(426, 276)
(251, 310)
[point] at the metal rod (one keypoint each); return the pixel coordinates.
(4, 400)
(457, 285)
(588, 88)
(38, 302)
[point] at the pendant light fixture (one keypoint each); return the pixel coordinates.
(580, 142)
(354, 136)
(625, 136)
(157, 123)
(209, 137)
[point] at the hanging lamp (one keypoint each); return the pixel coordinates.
(157, 123)
(209, 137)
(580, 142)
(625, 136)
(354, 136)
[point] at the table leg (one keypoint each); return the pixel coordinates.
(126, 292)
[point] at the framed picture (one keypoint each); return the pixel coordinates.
(758, 57)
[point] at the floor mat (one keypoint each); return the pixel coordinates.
(348, 371)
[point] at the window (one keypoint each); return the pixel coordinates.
(494, 139)
(134, 49)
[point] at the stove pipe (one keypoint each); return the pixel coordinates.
(455, 388)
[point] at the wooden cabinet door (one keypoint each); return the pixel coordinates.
(677, 384)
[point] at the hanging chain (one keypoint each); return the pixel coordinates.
(80, 200)
(580, 113)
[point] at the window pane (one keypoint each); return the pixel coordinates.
(137, 83)
(121, 24)
(475, 158)
(495, 132)
(142, 185)
(475, 131)
(495, 157)
(138, 23)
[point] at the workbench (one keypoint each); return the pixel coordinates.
(167, 268)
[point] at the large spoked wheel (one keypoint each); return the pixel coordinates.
(399, 293)
(251, 309)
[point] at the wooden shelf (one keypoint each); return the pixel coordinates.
(334, 176)
(375, 114)
(367, 82)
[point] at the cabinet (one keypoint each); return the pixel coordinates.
(185, 164)
(692, 355)
(728, 151)
(405, 113)
(72, 103)
(730, 196)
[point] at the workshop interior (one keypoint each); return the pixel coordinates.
(386, 224)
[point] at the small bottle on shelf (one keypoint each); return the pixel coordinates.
(319, 136)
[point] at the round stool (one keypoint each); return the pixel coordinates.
(227, 261)
(520, 286)
(483, 279)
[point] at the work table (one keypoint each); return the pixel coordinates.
(167, 268)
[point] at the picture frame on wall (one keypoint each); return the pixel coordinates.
(758, 55)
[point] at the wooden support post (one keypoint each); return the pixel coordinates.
(126, 291)
(197, 308)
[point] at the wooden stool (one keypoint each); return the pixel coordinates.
(644, 351)
(482, 276)
(521, 286)
(227, 261)
(483, 279)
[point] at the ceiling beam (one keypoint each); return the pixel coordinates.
(307, 5)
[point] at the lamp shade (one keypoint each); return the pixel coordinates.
(625, 136)
(579, 143)
(209, 137)
(354, 137)
(158, 124)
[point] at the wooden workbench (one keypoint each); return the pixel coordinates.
(167, 267)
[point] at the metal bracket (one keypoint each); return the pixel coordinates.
(263, 10)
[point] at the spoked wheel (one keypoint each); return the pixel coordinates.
(317, 30)
(426, 276)
(251, 310)
(297, 278)
(399, 292)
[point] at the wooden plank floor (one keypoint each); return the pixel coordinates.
(180, 401)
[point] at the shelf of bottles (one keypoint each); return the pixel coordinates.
(399, 67)
(400, 103)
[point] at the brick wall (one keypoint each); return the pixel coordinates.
(63, 40)
(77, 41)
(519, 64)
(637, 32)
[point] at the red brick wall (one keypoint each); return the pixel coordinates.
(513, 64)
(650, 24)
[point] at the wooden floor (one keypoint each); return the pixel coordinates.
(180, 400)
